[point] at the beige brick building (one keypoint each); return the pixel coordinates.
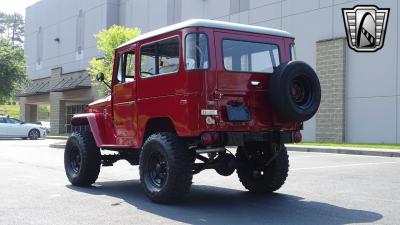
(67, 94)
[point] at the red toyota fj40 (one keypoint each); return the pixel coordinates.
(182, 94)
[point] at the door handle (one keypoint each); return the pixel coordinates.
(255, 82)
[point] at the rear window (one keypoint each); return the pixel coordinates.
(245, 56)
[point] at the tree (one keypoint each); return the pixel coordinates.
(107, 41)
(12, 27)
(12, 69)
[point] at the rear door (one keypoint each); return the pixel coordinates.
(246, 63)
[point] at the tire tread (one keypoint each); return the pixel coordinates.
(180, 168)
(91, 158)
(278, 173)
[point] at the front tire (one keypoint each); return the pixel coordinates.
(82, 159)
(253, 172)
(34, 134)
(166, 168)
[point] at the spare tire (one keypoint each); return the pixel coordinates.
(294, 91)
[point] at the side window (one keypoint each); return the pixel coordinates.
(130, 67)
(126, 67)
(292, 52)
(12, 120)
(196, 51)
(120, 63)
(2, 120)
(161, 57)
(245, 56)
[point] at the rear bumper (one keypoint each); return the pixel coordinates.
(240, 138)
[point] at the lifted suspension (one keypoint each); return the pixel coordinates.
(131, 156)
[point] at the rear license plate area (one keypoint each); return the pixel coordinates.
(238, 113)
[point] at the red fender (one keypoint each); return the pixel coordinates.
(95, 122)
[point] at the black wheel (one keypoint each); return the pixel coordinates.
(34, 134)
(166, 166)
(295, 92)
(82, 159)
(262, 169)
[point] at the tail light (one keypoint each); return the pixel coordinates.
(211, 138)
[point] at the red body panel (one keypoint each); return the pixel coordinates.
(180, 96)
(96, 123)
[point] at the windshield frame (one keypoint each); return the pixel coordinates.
(292, 46)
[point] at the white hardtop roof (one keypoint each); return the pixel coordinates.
(211, 24)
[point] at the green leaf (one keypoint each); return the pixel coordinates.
(107, 41)
(12, 69)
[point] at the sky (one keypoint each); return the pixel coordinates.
(11, 6)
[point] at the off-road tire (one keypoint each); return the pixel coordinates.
(34, 134)
(294, 91)
(178, 167)
(90, 159)
(273, 176)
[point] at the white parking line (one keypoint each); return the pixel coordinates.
(322, 155)
(346, 165)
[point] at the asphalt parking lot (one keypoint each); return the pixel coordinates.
(321, 189)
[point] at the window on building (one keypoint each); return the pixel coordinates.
(39, 46)
(196, 51)
(71, 110)
(158, 58)
(245, 56)
(80, 32)
(126, 67)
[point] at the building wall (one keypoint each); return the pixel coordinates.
(331, 70)
(58, 19)
(372, 109)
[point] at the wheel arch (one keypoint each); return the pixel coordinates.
(158, 124)
(95, 123)
(31, 129)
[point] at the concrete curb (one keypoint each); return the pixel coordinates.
(320, 149)
(57, 137)
(58, 145)
(345, 150)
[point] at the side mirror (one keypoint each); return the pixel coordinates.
(100, 77)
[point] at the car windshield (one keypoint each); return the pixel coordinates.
(13, 120)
